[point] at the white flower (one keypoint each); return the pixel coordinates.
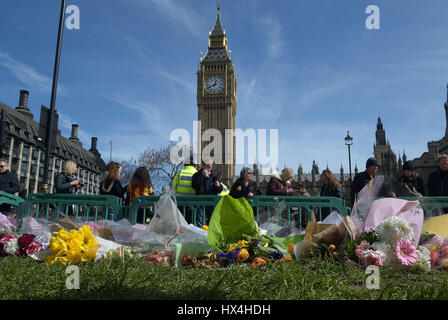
(423, 253)
(387, 250)
(393, 229)
(12, 246)
(424, 260)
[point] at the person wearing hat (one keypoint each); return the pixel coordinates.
(363, 178)
(410, 184)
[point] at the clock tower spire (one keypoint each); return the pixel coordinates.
(217, 102)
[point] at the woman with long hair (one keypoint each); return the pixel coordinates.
(140, 185)
(112, 185)
(330, 187)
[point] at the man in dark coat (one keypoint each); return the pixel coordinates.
(8, 183)
(438, 179)
(205, 182)
(363, 178)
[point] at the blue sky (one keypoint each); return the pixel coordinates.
(310, 69)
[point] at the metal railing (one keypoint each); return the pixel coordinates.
(98, 207)
(80, 207)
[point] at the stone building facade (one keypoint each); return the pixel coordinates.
(26, 152)
(427, 162)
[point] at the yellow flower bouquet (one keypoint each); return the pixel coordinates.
(73, 247)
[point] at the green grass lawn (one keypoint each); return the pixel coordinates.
(22, 278)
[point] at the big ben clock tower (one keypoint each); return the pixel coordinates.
(217, 100)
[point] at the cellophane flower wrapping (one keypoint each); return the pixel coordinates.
(7, 224)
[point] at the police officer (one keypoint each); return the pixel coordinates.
(182, 184)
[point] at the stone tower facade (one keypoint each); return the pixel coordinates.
(383, 152)
(217, 103)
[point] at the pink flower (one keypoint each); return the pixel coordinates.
(363, 246)
(33, 247)
(405, 252)
(373, 258)
(436, 240)
(7, 237)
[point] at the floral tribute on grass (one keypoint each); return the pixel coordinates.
(24, 246)
(253, 251)
(387, 246)
(73, 247)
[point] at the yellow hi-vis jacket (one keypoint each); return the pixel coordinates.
(182, 182)
(225, 191)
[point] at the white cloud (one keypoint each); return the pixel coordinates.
(273, 30)
(27, 74)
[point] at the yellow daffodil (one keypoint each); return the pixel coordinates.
(242, 255)
(58, 246)
(73, 247)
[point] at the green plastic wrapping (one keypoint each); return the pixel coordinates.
(231, 219)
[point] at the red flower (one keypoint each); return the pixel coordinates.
(33, 247)
(5, 238)
(25, 240)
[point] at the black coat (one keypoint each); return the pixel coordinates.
(359, 181)
(438, 183)
(245, 189)
(62, 183)
(406, 185)
(327, 191)
(9, 182)
(198, 182)
(116, 189)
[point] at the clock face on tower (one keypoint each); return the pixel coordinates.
(214, 84)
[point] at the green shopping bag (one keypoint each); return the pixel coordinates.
(231, 219)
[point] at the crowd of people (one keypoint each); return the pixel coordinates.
(205, 181)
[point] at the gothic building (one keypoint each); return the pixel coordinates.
(217, 102)
(427, 162)
(26, 152)
(384, 154)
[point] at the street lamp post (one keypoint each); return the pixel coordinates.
(53, 98)
(349, 142)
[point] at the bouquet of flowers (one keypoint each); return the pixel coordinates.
(24, 245)
(250, 250)
(73, 247)
(391, 246)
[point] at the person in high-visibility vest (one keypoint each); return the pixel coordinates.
(182, 181)
(182, 185)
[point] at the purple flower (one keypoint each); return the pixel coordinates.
(232, 255)
(275, 255)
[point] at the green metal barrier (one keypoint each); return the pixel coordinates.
(297, 204)
(8, 198)
(195, 205)
(57, 205)
(188, 205)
